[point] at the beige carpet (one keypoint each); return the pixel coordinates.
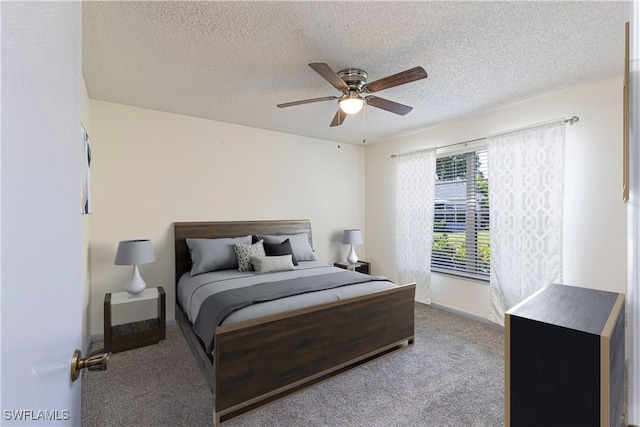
(452, 376)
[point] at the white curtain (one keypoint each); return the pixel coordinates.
(415, 190)
(526, 170)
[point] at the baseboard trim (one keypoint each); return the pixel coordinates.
(464, 313)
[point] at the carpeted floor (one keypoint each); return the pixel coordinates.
(452, 376)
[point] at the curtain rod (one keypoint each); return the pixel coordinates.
(571, 122)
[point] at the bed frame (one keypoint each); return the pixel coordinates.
(259, 361)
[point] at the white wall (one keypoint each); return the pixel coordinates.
(594, 230)
(151, 169)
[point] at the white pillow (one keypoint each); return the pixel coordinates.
(269, 264)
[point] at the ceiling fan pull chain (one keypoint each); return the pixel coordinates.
(364, 123)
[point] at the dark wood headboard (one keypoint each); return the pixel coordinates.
(219, 229)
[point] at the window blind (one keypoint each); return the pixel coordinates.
(461, 216)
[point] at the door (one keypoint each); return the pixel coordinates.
(40, 254)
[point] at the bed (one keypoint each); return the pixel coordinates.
(275, 349)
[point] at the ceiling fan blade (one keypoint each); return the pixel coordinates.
(385, 104)
(407, 76)
(329, 75)
(306, 101)
(338, 119)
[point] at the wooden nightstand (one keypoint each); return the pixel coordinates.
(138, 333)
(360, 266)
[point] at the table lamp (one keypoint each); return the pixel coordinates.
(134, 252)
(352, 237)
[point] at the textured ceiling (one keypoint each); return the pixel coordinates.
(234, 61)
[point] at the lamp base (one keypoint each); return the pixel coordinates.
(352, 258)
(135, 285)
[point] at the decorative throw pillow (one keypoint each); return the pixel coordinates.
(279, 249)
(245, 252)
(268, 264)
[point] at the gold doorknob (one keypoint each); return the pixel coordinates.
(95, 362)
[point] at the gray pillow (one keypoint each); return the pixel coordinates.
(214, 254)
(268, 264)
(244, 253)
(302, 250)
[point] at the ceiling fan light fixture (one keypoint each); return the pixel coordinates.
(354, 89)
(351, 103)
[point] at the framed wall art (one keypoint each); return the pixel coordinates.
(85, 192)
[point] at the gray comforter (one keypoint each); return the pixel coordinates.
(218, 306)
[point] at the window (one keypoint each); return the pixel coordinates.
(461, 216)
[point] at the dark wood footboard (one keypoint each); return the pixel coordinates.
(257, 362)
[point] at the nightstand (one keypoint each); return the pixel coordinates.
(121, 336)
(360, 266)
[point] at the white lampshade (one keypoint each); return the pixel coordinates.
(134, 252)
(352, 237)
(351, 104)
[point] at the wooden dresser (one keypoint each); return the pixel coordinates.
(564, 358)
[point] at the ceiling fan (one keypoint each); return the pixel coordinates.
(352, 82)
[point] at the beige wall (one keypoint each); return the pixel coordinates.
(594, 226)
(151, 169)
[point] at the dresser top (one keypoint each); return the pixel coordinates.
(570, 307)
